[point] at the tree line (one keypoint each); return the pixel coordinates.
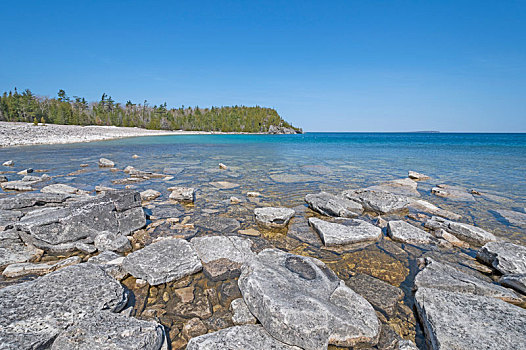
(27, 107)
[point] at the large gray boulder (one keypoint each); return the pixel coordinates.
(61, 229)
(351, 231)
(402, 231)
(505, 257)
(104, 330)
(247, 337)
(163, 261)
(273, 217)
(380, 202)
(446, 277)
(465, 321)
(331, 205)
(301, 302)
(33, 313)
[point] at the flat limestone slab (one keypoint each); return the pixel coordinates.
(33, 313)
(443, 276)
(163, 261)
(331, 205)
(465, 321)
(301, 302)
(404, 232)
(273, 216)
(354, 231)
(247, 337)
(105, 330)
(378, 201)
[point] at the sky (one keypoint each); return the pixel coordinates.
(323, 65)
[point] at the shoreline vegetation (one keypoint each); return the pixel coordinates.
(64, 110)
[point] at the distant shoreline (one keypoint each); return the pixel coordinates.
(26, 134)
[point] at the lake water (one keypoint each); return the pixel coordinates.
(284, 168)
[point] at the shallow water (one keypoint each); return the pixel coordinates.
(284, 168)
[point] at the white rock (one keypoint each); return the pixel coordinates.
(274, 217)
(149, 195)
(417, 176)
(354, 231)
(301, 302)
(106, 163)
(404, 232)
(182, 193)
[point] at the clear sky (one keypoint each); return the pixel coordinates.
(324, 65)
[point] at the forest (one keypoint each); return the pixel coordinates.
(25, 106)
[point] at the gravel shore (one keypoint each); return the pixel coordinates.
(17, 134)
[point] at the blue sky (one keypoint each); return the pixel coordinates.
(324, 65)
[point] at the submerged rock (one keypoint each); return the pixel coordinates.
(301, 302)
(352, 231)
(33, 313)
(505, 257)
(104, 330)
(274, 217)
(426, 207)
(445, 277)
(224, 185)
(513, 217)
(247, 337)
(404, 232)
(383, 296)
(402, 187)
(379, 202)
(328, 204)
(454, 193)
(464, 321)
(163, 261)
(219, 224)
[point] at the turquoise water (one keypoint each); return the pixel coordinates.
(491, 163)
